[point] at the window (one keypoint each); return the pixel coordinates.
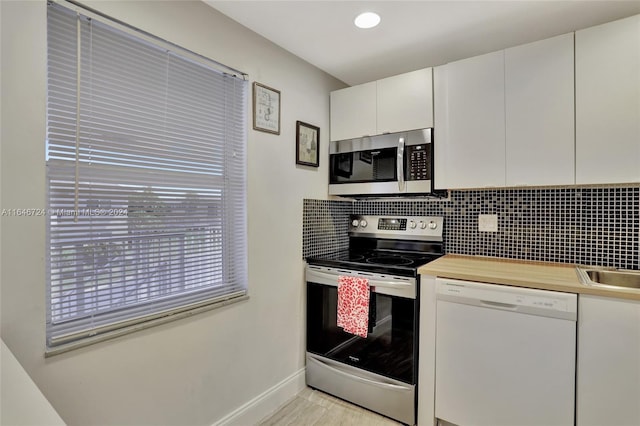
(146, 180)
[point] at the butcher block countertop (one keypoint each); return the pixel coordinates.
(540, 275)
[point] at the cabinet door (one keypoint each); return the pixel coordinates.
(473, 152)
(427, 351)
(608, 365)
(608, 103)
(353, 112)
(539, 93)
(405, 102)
(441, 128)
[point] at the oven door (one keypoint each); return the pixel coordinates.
(390, 347)
(377, 372)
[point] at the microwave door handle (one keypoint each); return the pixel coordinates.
(400, 165)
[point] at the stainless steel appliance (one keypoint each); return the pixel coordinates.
(379, 371)
(390, 164)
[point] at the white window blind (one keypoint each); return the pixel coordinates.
(146, 160)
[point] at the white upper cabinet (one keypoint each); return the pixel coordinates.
(608, 103)
(506, 118)
(394, 104)
(441, 129)
(539, 100)
(405, 102)
(469, 127)
(353, 112)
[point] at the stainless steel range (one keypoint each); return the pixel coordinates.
(376, 368)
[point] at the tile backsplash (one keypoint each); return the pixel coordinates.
(325, 224)
(592, 226)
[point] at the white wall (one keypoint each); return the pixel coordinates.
(22, 401)
(196, 370)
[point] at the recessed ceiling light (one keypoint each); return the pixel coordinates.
(367, 20)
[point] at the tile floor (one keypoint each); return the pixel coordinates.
(314, 408)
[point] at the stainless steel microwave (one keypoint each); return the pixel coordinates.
(385, 165)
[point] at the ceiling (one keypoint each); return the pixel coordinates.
(412, 34)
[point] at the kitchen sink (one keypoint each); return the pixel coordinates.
(613, 278)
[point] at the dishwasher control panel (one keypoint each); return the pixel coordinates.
(510, 298)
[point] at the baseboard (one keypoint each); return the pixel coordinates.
(266, 403)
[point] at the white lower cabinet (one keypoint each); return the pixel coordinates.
(608, 364)
(427, 351)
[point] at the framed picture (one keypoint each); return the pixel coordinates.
(266, 109)
(307, 144)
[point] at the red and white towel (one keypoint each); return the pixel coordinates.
(353, 305)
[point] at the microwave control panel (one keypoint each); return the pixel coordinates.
(419, 162)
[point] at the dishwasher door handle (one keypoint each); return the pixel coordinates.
(499, 305)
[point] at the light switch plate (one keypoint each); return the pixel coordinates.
(488, 222)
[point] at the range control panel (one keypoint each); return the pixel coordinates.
(389, 224)
(399, 227)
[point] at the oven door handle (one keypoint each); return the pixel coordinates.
(389, 284)
(402, 288)
(332, 279)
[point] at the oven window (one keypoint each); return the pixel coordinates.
(388, 349)
(377, 165)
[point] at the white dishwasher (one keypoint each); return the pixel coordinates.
(505, 356)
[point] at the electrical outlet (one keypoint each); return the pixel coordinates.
(488, 223)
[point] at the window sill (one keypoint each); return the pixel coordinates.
(165, 317)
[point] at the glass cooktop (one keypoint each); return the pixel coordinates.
(379, 261)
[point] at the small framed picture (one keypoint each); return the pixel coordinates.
(307, 144)
(266, 109)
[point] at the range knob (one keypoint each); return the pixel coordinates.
(433, 225)
(422, 225)
(363, 223)
(355, 223)
(412, 224)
